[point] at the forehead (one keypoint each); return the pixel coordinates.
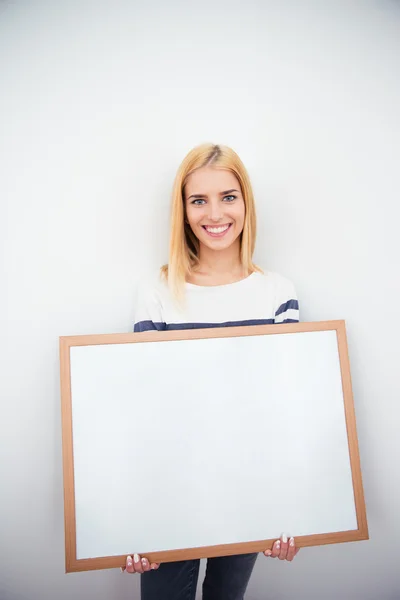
(208, 180)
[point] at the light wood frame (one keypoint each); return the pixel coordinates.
(73, 564)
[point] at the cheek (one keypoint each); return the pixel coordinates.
(193, 215)
(239, 214)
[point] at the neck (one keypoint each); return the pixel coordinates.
(223, 265)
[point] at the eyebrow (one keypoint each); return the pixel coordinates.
(225, 193)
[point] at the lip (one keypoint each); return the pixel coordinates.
(217, 235)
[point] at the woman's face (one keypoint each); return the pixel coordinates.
(215, 207)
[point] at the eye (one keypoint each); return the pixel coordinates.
(198, 201)
(229, 198)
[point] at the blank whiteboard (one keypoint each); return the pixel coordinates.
(202, 443)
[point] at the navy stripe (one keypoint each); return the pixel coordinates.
(290, 304)
(148, 326)
(172, 326)
(288, 321)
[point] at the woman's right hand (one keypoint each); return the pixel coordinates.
(138, 565)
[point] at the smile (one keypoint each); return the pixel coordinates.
(217, 231)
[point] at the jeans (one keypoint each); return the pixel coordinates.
(226, 579)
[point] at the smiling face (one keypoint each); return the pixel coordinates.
(215, 208)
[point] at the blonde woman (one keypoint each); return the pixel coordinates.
(211, 281)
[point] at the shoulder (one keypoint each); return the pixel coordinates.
(152, 287)
(283, 294)
(150, 301)
(274, 281)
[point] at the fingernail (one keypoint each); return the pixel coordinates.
(291, 541)
(268, 553)
(284, 538)
(136, 558)
(152, 567)
(144, 562)
(278, 544)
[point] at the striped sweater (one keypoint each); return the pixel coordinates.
(257, 300)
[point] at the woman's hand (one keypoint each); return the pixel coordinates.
(283, 549)
(138, 565)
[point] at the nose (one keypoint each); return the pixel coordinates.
(215, 211)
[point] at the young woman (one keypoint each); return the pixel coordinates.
(211, 281)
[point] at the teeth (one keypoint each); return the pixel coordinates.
(217, 229)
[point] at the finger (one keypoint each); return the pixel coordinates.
(129, 565)
(154, 566)
(284, 547)
(276, 548)
(145, 565)
(268, 553)
(137, 564)
(291, 553)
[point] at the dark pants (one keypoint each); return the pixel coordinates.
(226, 579)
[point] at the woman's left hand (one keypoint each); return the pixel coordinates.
(284, 549)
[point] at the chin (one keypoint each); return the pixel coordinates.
(218, 247)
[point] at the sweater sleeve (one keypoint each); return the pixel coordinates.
(286, 303)
(148, 309)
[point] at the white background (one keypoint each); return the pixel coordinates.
(208, 449)
(99, 102)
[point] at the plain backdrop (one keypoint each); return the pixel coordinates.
(99, 102)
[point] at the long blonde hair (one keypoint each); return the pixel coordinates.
(183, 245)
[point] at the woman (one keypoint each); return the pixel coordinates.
(211, 281)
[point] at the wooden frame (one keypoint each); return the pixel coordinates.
(66, 343)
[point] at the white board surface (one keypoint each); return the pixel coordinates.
(192, 443)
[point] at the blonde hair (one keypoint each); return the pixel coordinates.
(183, 245)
